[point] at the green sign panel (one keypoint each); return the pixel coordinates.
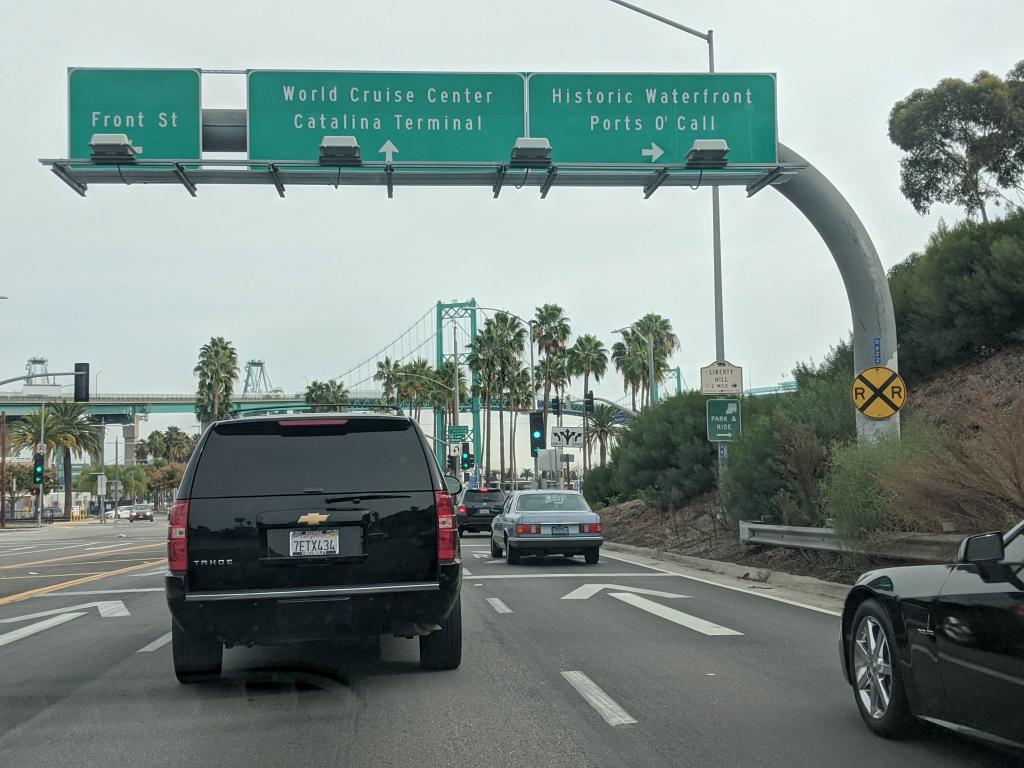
(158, 109)
(458, 432)
(400, 116)
(724, 422)
(653, 118)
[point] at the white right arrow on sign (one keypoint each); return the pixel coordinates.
(653, 152)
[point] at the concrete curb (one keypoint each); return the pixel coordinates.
(817, 592)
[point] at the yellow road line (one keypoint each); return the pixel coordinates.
(80, 555)
(75, 582)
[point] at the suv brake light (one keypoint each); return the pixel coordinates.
(447, 531)
(177, 538)
(462, 509)
(527, 528)
(590, 528)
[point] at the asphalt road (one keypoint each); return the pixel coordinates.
(692, 674)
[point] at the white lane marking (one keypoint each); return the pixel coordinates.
(466, 571)
(481, 555)
(498, 605)
(108, 609)
(73, 593)
(577, 575)
(605, 705)
(109, 546)
(766, 596)
(156, 645)
(154, 572)
(39, 626)
(20, 549)
(589, 590)
(676, 617)
(492, 562)
(54, 549)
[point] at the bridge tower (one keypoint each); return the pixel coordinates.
(457, 335)
(256, 379)
(38, 366)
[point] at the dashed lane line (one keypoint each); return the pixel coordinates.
(156, 645)
(604, 704)
(498, 605)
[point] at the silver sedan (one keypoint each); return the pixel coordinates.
(546, 523)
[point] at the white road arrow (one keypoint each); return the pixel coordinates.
(654, 152)
(27, 631)
(108, 609)
(676, 617)
(589, 590)
(389, 150)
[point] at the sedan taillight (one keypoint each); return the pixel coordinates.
(590, 528)
(177, 538)
(527, 528)
(447, 530)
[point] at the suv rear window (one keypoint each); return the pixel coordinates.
(491, 497)
(270, 458)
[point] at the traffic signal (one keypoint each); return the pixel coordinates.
(471, 461)
(588, 402)
(37, 469)
(451, 463)
(556, 406)
(81, 382)
(465, 456)
(537, 441)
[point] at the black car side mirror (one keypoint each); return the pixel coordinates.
(983, 548)
(453, 485)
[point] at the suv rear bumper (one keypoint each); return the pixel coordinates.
(274, 616)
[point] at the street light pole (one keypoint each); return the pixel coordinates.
(455, 369)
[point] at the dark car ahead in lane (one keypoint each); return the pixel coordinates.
(475, 508)
(943, 643)
(546, 523)
(293, 528)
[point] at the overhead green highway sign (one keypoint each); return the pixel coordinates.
(394, 116)
(653, 118)
(158, 109)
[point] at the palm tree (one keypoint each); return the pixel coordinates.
(217, 370)
(443, 390)
(588, 356)
(483, 361)
(386, 370)
(659, 330)
(509, 342)
(141, 451)
(550, 333)
(630, 359)
(177, 444)
(74, 434)
(156, 444)
(325, 396)
(603, 428)
(520, 398)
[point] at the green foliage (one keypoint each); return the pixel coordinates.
(600, 486)
(665, 454)
(962, 298)
(963, 141)
(326, 396)
(217, 370)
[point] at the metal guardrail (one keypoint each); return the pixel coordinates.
(923, 547)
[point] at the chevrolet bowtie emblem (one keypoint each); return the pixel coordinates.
(313, 518)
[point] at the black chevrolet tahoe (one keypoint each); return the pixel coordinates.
(309, 527)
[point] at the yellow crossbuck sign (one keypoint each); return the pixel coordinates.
(878, 392)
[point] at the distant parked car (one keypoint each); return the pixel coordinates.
(123, 513)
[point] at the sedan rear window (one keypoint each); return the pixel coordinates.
(489, 497)
(269, 458)
(552, 502)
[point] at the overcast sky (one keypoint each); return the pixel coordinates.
(135, 279)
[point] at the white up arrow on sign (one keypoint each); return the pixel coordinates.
(389, 150)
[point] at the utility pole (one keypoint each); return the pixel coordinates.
(3, 469)
(42, 443)
(117, 474)
(455, 366)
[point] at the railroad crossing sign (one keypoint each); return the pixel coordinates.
(724, 421)
(878, 392)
